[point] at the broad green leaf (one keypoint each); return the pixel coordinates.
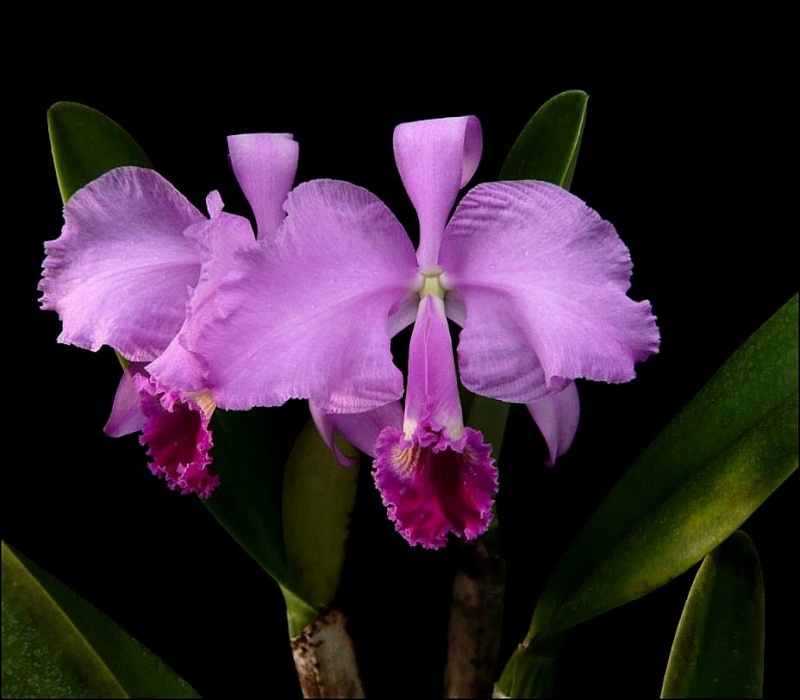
(697, 482)
(318, 500)
(718, 651)
(86, 144)
(55, 644)
(250, 460)
(546, 149)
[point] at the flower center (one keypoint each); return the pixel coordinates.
(431, 283)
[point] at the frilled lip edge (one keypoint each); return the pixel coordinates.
(433, 485)
(177, 438)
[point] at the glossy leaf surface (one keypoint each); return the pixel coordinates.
(718, 651)
(547, 148)
(86, 144)
(55, 644)
(249, 458)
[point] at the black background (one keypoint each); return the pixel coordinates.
(683, 151)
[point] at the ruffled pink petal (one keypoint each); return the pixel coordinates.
(177, 438)
(307, 314)
(557, 415)
(360, 429)
(265, 166)
(436, 158)
(179, 366)
(539, 282)
(432, 485)
(121, 272)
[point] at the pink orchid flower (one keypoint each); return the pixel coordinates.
(536, 280)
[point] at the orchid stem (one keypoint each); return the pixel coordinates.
(325, 658)
(476, 614)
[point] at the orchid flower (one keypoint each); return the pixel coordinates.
(136, 268)
(534, 277)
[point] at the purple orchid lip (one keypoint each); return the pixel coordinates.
(177, 438)
(174, 429)
(435, 477)
(434, 489)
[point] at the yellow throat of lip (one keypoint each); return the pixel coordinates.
(203, 399)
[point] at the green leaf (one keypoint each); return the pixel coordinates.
(490, 417)
(318, 500)
(299, 614)
(86, 144)
(696, 483)
(531, 671)
(718, 651)
(546, 149)
(55, 644)
(249, 458)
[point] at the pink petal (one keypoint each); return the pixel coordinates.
(121, 271)
(432, 392)
(180, 366)
(360, 429)
(539, 283)
(436, 158)
(126, 415)
(265, 166)
(307, 314)
(557, 415)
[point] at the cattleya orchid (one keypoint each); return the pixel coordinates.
(534, 277)
(136, 268)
